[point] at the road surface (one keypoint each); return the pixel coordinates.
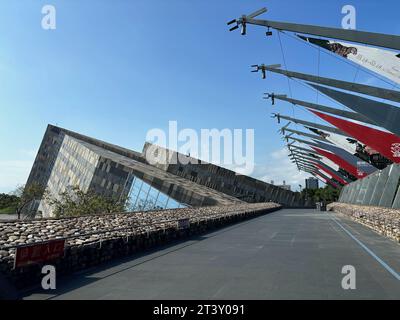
(289, 254)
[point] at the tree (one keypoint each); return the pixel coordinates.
(26, 196)
(8, 200)
(143, 205)
(327, 194)
(75, 202)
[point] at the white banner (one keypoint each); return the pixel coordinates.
(325, 173)
(341, 141)
(383, 62)
(330, 163)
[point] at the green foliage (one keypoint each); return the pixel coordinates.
(74, 202)
(8, 203)
(143, 205)
(8, 210)
(327, 194)
(26, 196)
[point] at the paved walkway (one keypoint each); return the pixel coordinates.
(289, 254)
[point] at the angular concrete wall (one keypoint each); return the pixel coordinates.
(378, 189)
(392, 184)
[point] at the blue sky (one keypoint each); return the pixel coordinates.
(116, 69)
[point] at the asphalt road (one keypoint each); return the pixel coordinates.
(289, 254)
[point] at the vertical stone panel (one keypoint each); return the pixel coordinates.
(380, 185)
(362, 192)
(396, 202)
(344, 195)
(353, 190)
(391, 186)
(372, 179)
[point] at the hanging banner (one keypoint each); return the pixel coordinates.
(330, 163)
(383, 62)
(324, 174)
(320, 178)
(348, 144)
(331, 173)
(350, 168)
(356, 148)
(381, 114)
(351, 159)
(326, 179)
(385, 143)
(341, 173)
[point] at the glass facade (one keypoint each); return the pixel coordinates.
(143, 197)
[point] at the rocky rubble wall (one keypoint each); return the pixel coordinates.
(92, 240)
(385, 221)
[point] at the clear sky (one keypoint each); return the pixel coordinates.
(116, 69)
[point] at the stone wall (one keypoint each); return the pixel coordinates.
(385, 221)
(91, 240)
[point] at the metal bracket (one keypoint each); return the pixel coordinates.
(263, 68)
(242, 21)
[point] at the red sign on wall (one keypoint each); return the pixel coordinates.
(37, 253)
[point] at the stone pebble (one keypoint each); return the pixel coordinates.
(92, 228)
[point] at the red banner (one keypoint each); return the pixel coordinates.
(333, 184)
(327, 181)
(341, 163)
(333, 174)
(386, 143)
(37, 253)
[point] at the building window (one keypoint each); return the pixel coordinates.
(116, 187)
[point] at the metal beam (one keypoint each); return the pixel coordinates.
(304, 149)
(308, 169)
(305, 154)
(328, 168)
(300, 159)
(338, 112)
(364, 37)
(320, 179)
(305, 163)
(312, 124)
(295, 154)
(306, 142)
(308, 166)
(326, 178)
(308, 158)
(308, 135)
(350, 86)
